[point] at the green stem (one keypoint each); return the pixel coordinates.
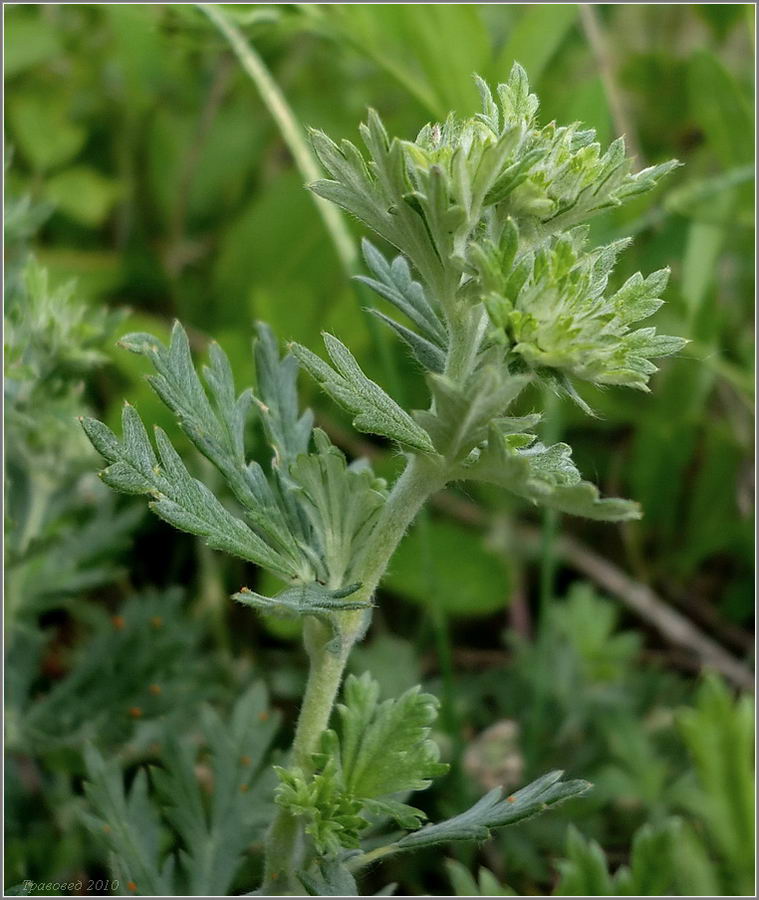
(297, 143)
(421, 477)
(289, 127)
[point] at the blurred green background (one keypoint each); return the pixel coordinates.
(170, 190)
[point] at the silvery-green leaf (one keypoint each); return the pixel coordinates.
(288, 430)
(375, 412)
(178, 498)
(330, 879)
(393, 281)
(311, 599)
(341, 503)
(546, 476)
(429, 356)
(463, 414)
(496, 810)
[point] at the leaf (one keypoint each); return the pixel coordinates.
(217, 425)
(44, 129)
(652, 871)
(469, 580)
(377, 196)
(214, 836)
(719, 734)
(395, 284)
(83, 194)
(463, 413)
(384, 748)
(375, 412)
(332, 816)
(721, 109)
(288, 431)
(179, 499)
(379, 750)
(393, 281)
(341, 503)
(29, 42)
(495, 810)
(464, 885)
(426, 353)
(128, 823)
(585, 872)
(146, 658)
(331, 879)
(544, 475)
(215, 422)
(311, 599)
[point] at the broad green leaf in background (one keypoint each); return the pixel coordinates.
(83, 194)
(407, 40)
(721, 110)
(470, 581)
(30, 40)
(43, 129)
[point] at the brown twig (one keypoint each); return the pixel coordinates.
(670, 623)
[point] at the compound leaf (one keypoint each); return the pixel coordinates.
(179, 499)
(375, 412)
(545, 476)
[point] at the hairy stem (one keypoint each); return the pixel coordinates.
(421, 478)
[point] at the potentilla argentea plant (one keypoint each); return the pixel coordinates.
(497, 286)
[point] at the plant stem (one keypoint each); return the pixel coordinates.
(421, 478)
(298, 145)
(289, 127)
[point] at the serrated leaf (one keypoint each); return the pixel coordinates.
(214, 836)
(393, 281)
(311, 599)
(180, 499)
(331, 879)
(379, 751)
(428, 355)
(463, 413)
(215, 422)
(544, 475)
(719, 735)
(217, 425)
(288, 430)
(375, 412)
(496, 810)
(127, 823)
(341, 503)
(384, 748)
